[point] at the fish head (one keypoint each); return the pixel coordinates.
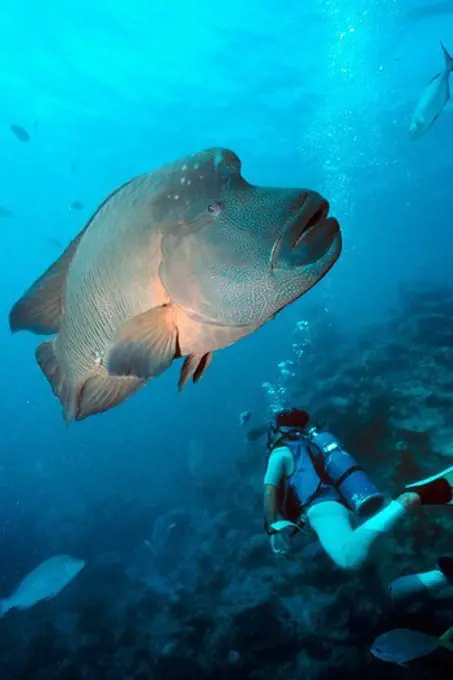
(384, 652)
(235, 254)
(416, 128)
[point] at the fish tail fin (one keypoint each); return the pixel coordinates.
(448, 58)
(446, 640)
(4, 607)
(49, 365)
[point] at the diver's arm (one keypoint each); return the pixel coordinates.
(274, 475)
(270, 506)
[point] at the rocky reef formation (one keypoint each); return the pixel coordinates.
(206, 598)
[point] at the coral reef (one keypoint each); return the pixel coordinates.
(206, 599)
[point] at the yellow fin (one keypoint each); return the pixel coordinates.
(446, 640)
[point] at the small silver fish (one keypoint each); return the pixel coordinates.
(244, 417)
(432, 100)
(402, 645)
(43, 583)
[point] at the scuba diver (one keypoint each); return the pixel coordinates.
(310, 480)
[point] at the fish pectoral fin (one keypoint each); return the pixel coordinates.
(40, 309)
(194, 367)
(146, 345)
(102, 392)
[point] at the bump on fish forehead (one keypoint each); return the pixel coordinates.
(210, 169)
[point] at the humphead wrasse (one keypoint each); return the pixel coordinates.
(179, 262)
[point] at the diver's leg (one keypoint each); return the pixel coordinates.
(349, 547)
(428, 581)
(331, 521)
(436, 490)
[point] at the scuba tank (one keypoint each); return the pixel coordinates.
(341, 470)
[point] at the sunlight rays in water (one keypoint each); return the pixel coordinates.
(344, 134)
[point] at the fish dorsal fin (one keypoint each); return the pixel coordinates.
(448, 58)
(40, 309)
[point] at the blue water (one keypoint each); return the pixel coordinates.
(316, 93)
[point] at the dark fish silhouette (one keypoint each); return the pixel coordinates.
(5, 212)
(176, 263)
(76, 205)
(20, 132)
(256, 433)
(401, 645)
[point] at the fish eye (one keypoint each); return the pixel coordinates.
(215, 208)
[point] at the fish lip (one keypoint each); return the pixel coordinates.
(311, 216)
(317, 216)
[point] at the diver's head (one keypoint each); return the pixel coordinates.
(287, 424)
(292, 418)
